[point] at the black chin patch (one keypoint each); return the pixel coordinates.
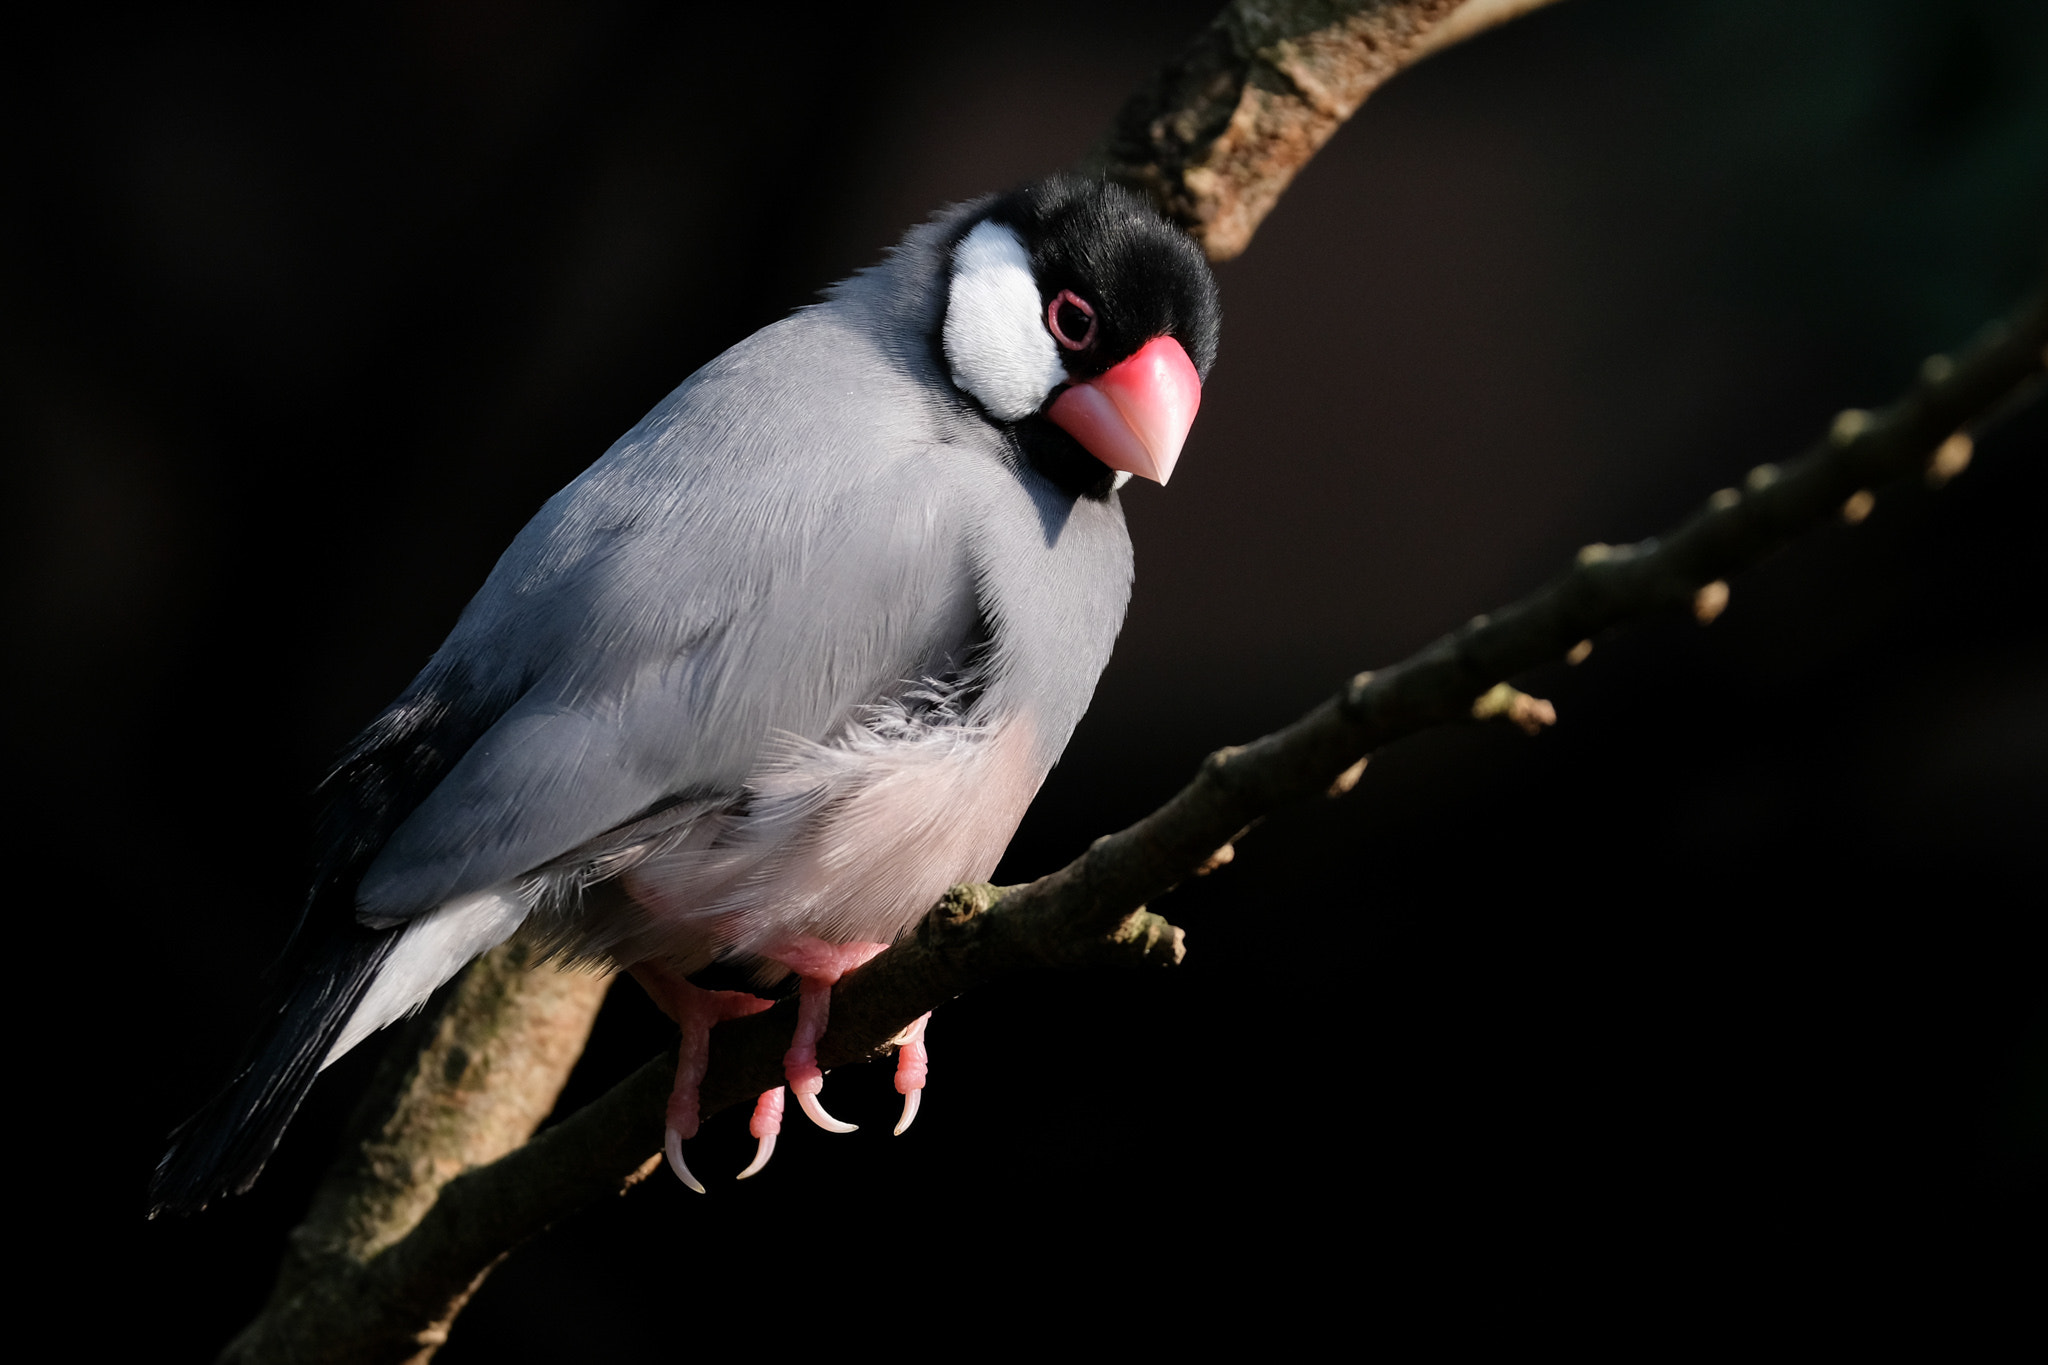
(1062, 459)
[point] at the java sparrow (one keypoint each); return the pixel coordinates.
(743, 699)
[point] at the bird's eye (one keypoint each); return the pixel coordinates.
(1070, 320)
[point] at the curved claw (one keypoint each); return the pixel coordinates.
(817, 1115)
(674, 1147)
(909, 1112)
(761, 1155)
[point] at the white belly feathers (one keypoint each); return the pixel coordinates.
(851, 841)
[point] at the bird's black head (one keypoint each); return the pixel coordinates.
(1073, 303)
(1141, 276)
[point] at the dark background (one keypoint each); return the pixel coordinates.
(1726, 991)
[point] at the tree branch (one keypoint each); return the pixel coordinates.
(436, 1187)
(1090, 913)
(463, 1085)
(1222, 130)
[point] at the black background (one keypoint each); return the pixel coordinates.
(1725, 992)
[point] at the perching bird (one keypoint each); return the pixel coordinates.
(789, 660)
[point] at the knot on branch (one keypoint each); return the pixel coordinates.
(962, 904)
(1607, 582)
(951, 928)
(1949, 459)
(1142, 939)
(1355, 702)
(1528, 714)
(1146, 940)
(1217, 768)
(1343, 782)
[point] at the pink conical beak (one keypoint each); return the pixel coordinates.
(1136, 417)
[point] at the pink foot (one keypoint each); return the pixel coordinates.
(696, 1011)
(820, 965)
(765, 1124)
(912, 1063)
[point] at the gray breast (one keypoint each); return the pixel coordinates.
(851, 837)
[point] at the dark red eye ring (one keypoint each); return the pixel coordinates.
(1069, 299)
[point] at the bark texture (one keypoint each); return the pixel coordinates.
(468, 1082)
(1221, 131)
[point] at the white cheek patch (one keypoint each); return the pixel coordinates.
(995, 338)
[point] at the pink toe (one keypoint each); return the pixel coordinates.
(819, 965)
(695, 1012)
(767, 1120)
(912, 1062)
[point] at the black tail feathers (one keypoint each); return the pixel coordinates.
(221, 1150)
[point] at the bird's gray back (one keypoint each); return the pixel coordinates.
(810, 521)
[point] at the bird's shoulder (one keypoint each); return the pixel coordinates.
(785, 537)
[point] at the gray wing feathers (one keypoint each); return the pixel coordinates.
(754, 556)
